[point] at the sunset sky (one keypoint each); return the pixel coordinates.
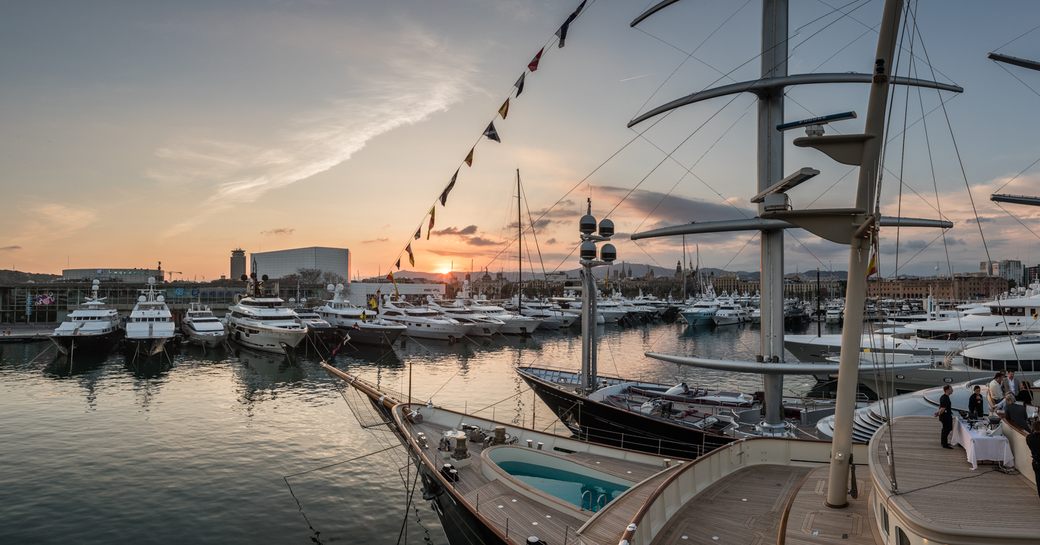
(134, 132)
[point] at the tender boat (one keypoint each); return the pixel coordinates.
(200, 326)
(92, 328)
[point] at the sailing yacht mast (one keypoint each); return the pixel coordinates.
(519, 248)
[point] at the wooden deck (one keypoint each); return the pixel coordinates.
(524, 517)
(938, 486)
(610, 523)
(745, 507)
(810, 522)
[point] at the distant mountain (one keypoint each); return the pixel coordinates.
(18, 277)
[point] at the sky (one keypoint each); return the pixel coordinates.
(136, 131)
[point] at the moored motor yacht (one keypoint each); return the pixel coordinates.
(482, 324)
(200, 326)
(363, 325)
(512, 323)
(320, 332)
(149, 328)
(550, 316)
(92, 328)
(423, 322)
(262, 322)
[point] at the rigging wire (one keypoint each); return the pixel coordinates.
(964, 176)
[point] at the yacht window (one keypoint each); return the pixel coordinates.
(901, 538)
(884, 519)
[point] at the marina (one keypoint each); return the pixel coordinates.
(543, 376)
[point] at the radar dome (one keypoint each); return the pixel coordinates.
(151, 280)
(140, 298)
(339, 287)
(160, 298)
(330, 287)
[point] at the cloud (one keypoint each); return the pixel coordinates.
(481, 241)
(55, 221)
(673, 209)
(551, 241)
(11, 248)
(374, 240)
(278, 231)
(465, 231)
(414, 83)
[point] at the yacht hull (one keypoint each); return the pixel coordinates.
(516, 327)
(373, 335)
(140, 349)
(276, 342)
(95, 345)
(203, 338)
(601, 423)
(697, 319)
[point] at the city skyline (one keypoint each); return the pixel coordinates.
(146, 132)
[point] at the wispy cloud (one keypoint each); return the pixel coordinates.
(278, 231)
(375, 240)
(54, 221)
(413, 84)
(11, 248)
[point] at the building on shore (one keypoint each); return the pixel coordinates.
(128, 276)
(962, 287)
(314, 264)
(238, 264)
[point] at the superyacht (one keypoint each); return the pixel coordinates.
(93, 328)
(150, 327)
(262, 322)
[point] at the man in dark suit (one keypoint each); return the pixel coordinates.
(945, 415)
(975, 404)
(1016, 414)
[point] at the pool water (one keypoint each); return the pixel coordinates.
(566, 485)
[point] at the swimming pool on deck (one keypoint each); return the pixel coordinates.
(582, 487)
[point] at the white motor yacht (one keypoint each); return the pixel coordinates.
(512, 323)
(550, 316)
(701, 313)
(93, 328)
(729, 313)
(482, 324)
(423, 322)
(150, 325)
(261, 322)
(363, 325)
(200, 326)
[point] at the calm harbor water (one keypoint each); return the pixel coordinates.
(197, 452)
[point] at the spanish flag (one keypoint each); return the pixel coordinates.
(390, 277)
(872, 267)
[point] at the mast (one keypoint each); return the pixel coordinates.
(859, 251)
(683, 269)
(770, 171)
(519, 247)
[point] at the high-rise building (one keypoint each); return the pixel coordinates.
(282, 263)
(238, 263)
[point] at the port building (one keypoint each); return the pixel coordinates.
(282, 263)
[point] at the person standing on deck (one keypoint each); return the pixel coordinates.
(945, 414)
(1009, 384)
(1033, 441)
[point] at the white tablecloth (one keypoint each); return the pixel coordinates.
(980, 446)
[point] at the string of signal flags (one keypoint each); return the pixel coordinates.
(490, 133)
